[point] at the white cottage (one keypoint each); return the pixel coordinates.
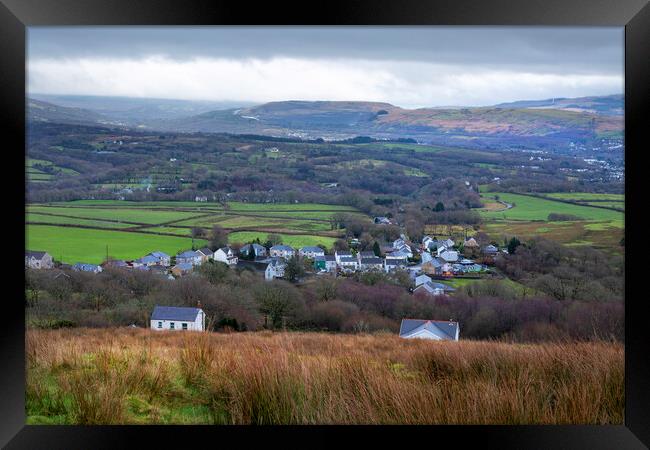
(38, 260)
(177, 318)
(226, 255)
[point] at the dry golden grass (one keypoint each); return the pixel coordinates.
(91, 376)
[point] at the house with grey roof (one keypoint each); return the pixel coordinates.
(325, 262)
(371, 263)
(438, 330)
(449, 256)
(365, 254)
(311, 252)
(421, 279)
(147, 260)
(38, 260)
(177, 318)
(163, 259)
(490, 250)
(282, 250)
(338, 254)
(189, 257)
(258, 250)
(349, 263)
(205, 253)
(275, 269)
(394, 264)
(433, 288)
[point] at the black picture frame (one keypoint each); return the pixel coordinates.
(16, 15)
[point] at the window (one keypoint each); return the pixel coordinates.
(184, 326)
(159, 324)
(171, 325)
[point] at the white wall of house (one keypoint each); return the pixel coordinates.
(197, 325)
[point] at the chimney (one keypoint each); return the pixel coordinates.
(198, 304)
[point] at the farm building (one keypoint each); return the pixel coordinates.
(281, 250)
(226, 255)
(257, 249)
(311, 252)
(38, 260)
(177, 318)
(438, 330)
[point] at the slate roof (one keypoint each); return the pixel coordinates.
(367, 254)
(443, 329)
(395, 262)
(160, 255)
(373, 260)
(175, 313)
(283, 248)
(206, 251)
(85, 267)
(348, 259)
(313, 249)
(35, 254)
(343, 253)
(184, 266)
(187, 254)
(148, 259)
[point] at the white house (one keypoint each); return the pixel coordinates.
(393, 264)
(311, 252)
(338, 254)
(177, 318)
(397, 255)
(226, 255)
(275, 269)
(371, 263)
(38, 260)
(281, 250)
(438, 330)
(349, 262)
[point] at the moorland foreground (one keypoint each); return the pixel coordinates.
(138, 376)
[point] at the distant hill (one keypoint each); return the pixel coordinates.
(339, 120)
(136, 111)
(40, 111)
(539, 123)
(606, 105)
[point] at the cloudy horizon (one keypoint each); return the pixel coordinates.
(410, 67)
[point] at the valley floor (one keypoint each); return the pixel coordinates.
(138, 376)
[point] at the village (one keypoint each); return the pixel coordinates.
(426, 264)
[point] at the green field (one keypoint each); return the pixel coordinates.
(127, 215)
(585, 196)
(42, 218)
(295, 241)
(79, 244)
(72, 245)
(528, 208)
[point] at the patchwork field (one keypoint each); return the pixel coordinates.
(79, 231)
(528, 217)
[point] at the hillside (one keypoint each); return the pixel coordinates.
(487, 126)
(39, 111)
(606, 105)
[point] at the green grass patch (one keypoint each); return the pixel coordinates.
(71, 245)
(288, 239)
(126, 214)
(43, 218)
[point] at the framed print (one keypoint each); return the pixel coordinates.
(381, 220)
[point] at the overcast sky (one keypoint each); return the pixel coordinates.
(406, 66)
